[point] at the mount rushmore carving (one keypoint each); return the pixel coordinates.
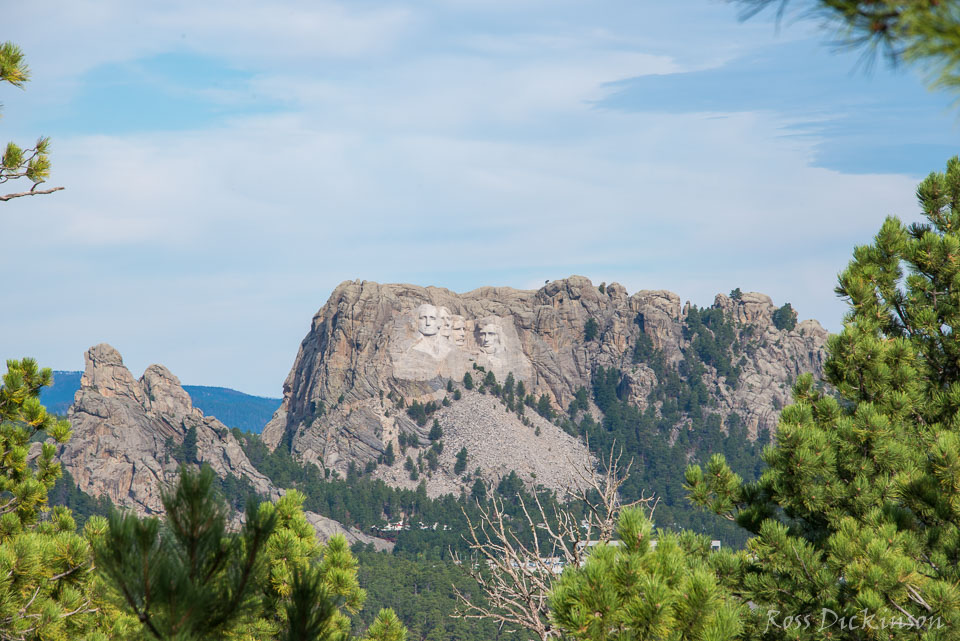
(430, 341)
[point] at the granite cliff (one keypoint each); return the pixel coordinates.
(125, 432)
(123, 429)
(375, 349)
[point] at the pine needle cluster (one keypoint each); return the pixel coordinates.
(16, 163)
(646, 587)
(925, 32)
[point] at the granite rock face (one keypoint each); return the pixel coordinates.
(374, 348)
(327, 527)
(122, 428)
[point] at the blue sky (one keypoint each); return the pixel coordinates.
(227, 164)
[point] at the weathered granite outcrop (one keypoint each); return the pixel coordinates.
(122, 428)
(372, 342)
(327, 527)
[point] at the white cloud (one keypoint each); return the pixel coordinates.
(476, 156)
(233, 256)
(79, 35)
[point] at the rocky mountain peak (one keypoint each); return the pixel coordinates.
(751, 307)
(124, 429)
(374, 349)
(165, 395)
(129, 433)
(105, 372)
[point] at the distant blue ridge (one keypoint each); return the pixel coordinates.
(232, 408)
(59, 397)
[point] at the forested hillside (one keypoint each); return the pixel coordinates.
(59, 396)
(233, 408)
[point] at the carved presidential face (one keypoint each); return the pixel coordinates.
(490, 337)
(427, 320)
(445, 321)
(458, 330)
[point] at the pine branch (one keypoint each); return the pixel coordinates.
(32, 192)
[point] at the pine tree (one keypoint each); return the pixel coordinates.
(45, 582)
(296, 565)
(544, 408)
(859, 511)
(478, 493)
(436, 432)
(591, 329)
(187, 577)
(386, 627)
(508, 384)
(918, 31)
(461, 465)
(17, 163)
(190, 454)
(785, 317)
(635, 591)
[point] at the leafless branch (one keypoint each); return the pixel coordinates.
(516, 578)
(32, 192)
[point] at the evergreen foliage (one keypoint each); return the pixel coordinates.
(432, 459)
(15, 162)
(860, 506)
(580, 402)
(233, 408)
(785, 318)
(369, 504)
(190, 446)
(46, 587)
(188, 577)
(635, 591)
(461, 465)
(467, 381)
(590, 329)
(186, 450)
(712, 339)
(185, 578)
(544, 408)
(925, 32)
(478, 493)
(508, 384)
(421, 412)
(389, 457)
(421, 593)
(82, 506)
(662, 443)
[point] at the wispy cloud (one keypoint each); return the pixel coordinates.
(266, 154)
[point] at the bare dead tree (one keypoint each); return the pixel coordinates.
(516, 577)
